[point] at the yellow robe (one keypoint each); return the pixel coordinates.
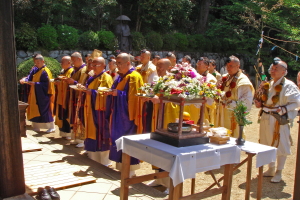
(105, 80)
(61, 95)
(33, 109)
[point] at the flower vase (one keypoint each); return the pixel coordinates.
(240, 140)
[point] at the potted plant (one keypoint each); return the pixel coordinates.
(240, 113)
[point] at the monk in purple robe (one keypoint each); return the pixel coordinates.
(121, 112)
(41, 96)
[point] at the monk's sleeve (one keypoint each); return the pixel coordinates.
(134, 84)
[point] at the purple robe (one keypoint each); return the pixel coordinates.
(42, 97)
(102, 142)
(117, 117)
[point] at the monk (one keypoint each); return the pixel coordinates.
(97, 141)
(78, 76)
(120, 108)
(61, 98)
(148, 72)
(41, 96)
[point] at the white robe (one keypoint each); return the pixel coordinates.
(289, 97)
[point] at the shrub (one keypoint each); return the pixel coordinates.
(138, 41)
(154, 41)
(169, 42)
(47, 36)
(107, 40)
(182, 41)
(207, 45)
(24, 67)
(67, 37)
(89, 40)
(216, 45)
(199, 42)
(26, 37)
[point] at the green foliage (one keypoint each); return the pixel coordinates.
(24, 67)
(138, 41)
(107, 40)
(47, 36)
(154, 41)
(216, 45)
(89, 40)
(182, 41)
(67, 37)
(26, 37)
(169, 42)
(240, 113)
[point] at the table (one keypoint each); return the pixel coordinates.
(179, 163)
(264, 155)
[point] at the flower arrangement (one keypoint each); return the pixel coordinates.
(240, 113)
(183, 80)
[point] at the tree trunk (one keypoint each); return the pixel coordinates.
(202, 16)
(11, 168)
(138, 20)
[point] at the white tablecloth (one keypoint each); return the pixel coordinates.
(264, 154)
(182, 163)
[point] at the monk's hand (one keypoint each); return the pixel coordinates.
(22, 81)
(257, 103)
(155, 100)
(30, 83)
(114, 92)
(70, 81)
(88, 91)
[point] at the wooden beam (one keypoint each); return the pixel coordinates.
(297, 173)
(204, 194)
(11, 168)
(139, 179)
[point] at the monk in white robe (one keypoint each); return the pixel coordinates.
(237, 87)
(271, 133)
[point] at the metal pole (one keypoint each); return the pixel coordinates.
(11, 163)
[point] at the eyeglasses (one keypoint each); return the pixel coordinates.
(95, 65)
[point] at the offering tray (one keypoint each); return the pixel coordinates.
(180, 139)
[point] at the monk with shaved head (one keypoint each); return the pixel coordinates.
(62, 88)
(163, 66)
(96, 142)
(121, 112)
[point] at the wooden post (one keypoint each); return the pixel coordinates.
(228, 171)
(297, 173)
(125, 175)
(248, 179)
(11, 168)
(259, 184)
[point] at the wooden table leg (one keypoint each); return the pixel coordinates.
(193, 185)
(125, 175)
(227, 181)
(248, 179)
(174, 192)
(260, 180)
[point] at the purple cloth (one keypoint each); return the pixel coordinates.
(120, 124)
(42, 98)
(25, 87)
(102, 142)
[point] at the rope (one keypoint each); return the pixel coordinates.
(281, 47)
(297, 42)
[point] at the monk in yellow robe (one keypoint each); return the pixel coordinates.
(61, 98)
(41, 96)
(97, 141)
